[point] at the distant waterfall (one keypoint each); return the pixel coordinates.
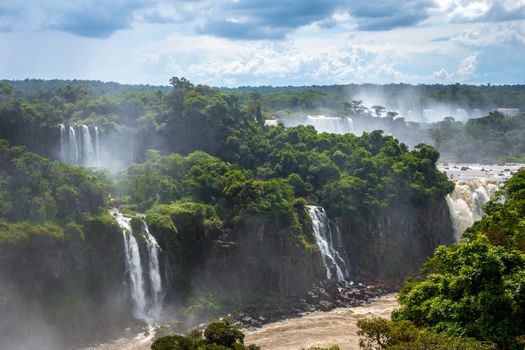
(73, 146)
(97, 147)
(63, 143)
(88, 147)
(147, 302)
(77, 146)
(332, 260)
(322, 123)
(466, 203)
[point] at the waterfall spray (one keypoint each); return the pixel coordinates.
(466, 203)
(154, 272)
(73, 146)
(87, 147)
(332, 260)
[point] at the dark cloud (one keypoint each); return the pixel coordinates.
(97, 19)
(266, 19)
(389, 14)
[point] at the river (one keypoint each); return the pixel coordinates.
(336, 327)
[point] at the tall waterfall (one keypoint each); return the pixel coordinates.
(63, 143)
(332, 259)
(466, 202)
(77, 146)
(147, 303)
(88, 147)
(154, 272)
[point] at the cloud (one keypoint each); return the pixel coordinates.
(465, 71)
(483, 10)
(497, 34)
(97, 19)
(389, 14)
(265, 19)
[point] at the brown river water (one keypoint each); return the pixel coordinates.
(336, 327)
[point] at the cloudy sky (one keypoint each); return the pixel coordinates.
(264, 42)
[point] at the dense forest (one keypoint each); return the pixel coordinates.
(473, 293)
(226, 197)
(432, 114)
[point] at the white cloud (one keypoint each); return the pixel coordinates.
(465, 71)
(498, 34)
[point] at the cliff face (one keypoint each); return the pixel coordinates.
(390, 247)
(61, 287)
(257, 256)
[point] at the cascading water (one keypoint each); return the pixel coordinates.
(322, 123)
(73, 146)
(147, 303)
(133, 265)
(332, 260)
(63, 143)
(154, 272)
(466, 202)
(334, 125)
(87, 147)
(77, 146)
(97, 147)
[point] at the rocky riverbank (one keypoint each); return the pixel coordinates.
(325, 296)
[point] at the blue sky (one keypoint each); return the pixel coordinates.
(265, 42)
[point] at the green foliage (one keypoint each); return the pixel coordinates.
(219, 335)
(476, 288)
(505, 223)
(493, 138)
(223, 333)
(378, 334)
(34, 188)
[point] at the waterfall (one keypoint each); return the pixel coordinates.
(133, 265)
(97, 147)
(147, 303)
(73, 146)
(88, 148)
(63, 143)
(333, 125)
(154, 271)
(77, 147)
(466, 202)
(332, 260)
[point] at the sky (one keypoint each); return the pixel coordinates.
(265, 42)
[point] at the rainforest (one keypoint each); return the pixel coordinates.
(162, 207)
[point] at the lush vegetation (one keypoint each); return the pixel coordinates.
(494, 138)
(218, 335)
(225, 197)
(474, 289)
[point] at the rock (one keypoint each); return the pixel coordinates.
(326, 305)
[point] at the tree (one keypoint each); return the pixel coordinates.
(378, 110)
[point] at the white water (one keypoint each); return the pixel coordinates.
(73, 146)
(332, 260)
(476, 184)
(88, 147)
(133, 266)
(77, 146)
(321, 123)
(467, 201)
(147, 303)
(154, 273)
(97, 147)
(63, 143)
